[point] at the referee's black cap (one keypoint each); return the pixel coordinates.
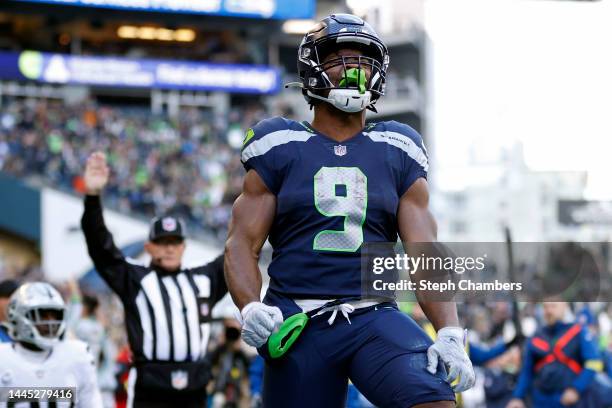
(7, 287)
(166, 226)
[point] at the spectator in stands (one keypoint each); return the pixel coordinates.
(182, 165)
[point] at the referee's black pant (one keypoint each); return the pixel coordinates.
(157, 399)
(148, 389)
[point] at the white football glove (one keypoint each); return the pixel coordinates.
(449, 346)
(259, 321)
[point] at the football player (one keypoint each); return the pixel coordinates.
(318, 191)
(38, 357)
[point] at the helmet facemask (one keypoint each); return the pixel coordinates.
(36, 315)
(348, 95)
(360, 83)
(42, 327)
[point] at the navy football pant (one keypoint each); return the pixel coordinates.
(383, 352)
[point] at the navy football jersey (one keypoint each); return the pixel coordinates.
(331, 198)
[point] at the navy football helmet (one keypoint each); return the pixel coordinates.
(352, 94)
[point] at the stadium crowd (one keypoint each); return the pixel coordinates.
(183, 166)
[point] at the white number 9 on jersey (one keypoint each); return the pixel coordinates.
(341, 192)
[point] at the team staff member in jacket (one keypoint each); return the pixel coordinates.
(559, 364)
(167, 307)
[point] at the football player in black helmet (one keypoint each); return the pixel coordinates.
(321, 191)
(318, 60)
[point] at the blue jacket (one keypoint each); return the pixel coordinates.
(480, 355)
(557, 357)
(4, 337)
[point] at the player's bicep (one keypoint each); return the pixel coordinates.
(415, 222)
(253, 212)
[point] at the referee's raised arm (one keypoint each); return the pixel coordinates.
(107, 258)
(167, 306)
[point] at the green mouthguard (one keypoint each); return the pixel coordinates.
(354, 77)
(280, 342)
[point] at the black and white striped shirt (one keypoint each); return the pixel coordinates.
(167, 314)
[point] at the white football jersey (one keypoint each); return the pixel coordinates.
(68, 364)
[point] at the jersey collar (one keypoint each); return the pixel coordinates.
(352, 139)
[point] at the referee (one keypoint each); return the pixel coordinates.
(167, 307)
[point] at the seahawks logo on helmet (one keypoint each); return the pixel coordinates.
(329, 35)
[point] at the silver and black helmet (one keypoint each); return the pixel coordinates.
(36, 315)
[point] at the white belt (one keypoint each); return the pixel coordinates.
(346, 308)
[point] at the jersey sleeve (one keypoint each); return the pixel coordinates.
(214, 271)
(87, 392)
(414, 160)
(107, 258)
(592, 361)
(258, 151)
